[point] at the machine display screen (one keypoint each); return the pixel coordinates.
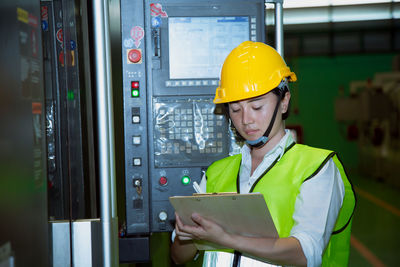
(198, 46)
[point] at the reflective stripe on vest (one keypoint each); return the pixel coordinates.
(280, 186)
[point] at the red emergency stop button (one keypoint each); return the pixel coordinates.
(134, 55)
(163, 180)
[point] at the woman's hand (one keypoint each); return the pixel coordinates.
(180, 230)
(182, 249)
(203, 230)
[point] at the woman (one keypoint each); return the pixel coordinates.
(306, 189)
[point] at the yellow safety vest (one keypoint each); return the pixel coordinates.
(280, 185)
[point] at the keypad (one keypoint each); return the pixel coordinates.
(187, 130)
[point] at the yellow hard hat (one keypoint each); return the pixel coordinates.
(251, 69)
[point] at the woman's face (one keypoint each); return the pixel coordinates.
(251, 117)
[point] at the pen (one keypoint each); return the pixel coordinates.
(197, 187)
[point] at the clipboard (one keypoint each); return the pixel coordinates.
(244, 214)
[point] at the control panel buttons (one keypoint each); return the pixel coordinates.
(135, 119)
(134, 56)
(135, 89)
(135, 93)
(137, 182)
(185, 180)
(163, 181)
(135, 84)
(162, 216)
(137, 161)
(136, 140)
(135, 115)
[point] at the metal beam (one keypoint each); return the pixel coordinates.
(105, 131)
(278, 24)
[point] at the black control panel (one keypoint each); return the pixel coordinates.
(172, 55)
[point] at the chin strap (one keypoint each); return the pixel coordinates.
(260, 142)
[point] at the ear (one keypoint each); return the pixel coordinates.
(285, 102)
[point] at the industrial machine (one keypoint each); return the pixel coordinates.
(71, 178)
(172, 54)
(370, 116)
(66, 112)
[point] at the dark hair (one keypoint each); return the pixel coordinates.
(225, 112)
(277, 92)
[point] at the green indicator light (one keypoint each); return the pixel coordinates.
(185, 180)
(135, 93)
(70, 95)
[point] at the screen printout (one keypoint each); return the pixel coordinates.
(198, 46)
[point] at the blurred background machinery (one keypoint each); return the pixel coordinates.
(370, 116)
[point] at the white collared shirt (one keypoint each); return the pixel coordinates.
(317, 205)
(247, 180)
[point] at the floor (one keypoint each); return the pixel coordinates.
(376, 225)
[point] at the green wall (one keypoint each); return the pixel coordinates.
(313, 96)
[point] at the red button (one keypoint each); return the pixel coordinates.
(134, 56)
(163, 180)
(135, 84)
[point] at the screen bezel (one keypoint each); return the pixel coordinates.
(158, 67)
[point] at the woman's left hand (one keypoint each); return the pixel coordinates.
(205, 229)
